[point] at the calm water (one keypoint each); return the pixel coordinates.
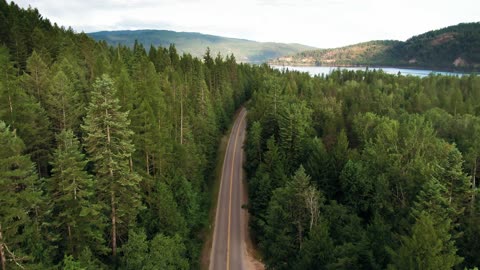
(327, 70)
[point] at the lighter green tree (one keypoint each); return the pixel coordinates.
(36, 80)
(62, 103)
(108, 142)
(167, 252)
(425, 249)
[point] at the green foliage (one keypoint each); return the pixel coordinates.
(162, 252)
(318, 250)
(108, 141)
(167, 253)
(147, 124)
(428, 247)
(135, 251)
(76, 219)
(63, 103)
(388, 156)
(292, 212)
(19, 197)
(70, 264)
(384, 150)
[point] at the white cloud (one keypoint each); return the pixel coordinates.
(326, 23)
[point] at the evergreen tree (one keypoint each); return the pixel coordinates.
(62, 103)
(135, 251)
(318, 250)
(19, 198)
(109, 144)
(36, 80)
(23, 113)
(254, 147)
(77, 218)
(425, 247)
(167, 252)
(294, 122)
(292, 212)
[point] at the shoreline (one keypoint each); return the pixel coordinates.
(371, 67)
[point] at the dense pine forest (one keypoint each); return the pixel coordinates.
(108, 153)
(365, 170)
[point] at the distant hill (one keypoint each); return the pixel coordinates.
(451, 48)
(196, 44)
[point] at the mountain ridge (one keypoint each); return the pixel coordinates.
(455, 47)
(195, 43)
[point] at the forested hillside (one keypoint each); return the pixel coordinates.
(195, 43)
(107, 157)
(451, 48)
(365, 170)
(107, 153)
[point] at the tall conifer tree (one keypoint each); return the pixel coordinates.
(109, 143)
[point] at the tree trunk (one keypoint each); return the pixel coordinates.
(300, 234)
(11, 107)
(147, 163)
(181, 117)
(64, 115)
(275, 101)
(474, 188)
(174, 110)
(2, 252)
(131, 164)
(114, 226)
(70, 240)
(37, 86)
(154, 167)
(114, 213)
(108, 134)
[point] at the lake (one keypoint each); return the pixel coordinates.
(315, 70)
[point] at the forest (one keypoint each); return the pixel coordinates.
(108, 157)
(364, 170)
(108, 153)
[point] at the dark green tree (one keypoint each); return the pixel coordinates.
(77, 219)
(19, 197)
(109, 144)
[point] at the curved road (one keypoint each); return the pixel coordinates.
(228, 248)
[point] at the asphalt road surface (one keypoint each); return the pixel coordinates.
(228, 248)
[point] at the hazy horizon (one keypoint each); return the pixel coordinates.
(332, 23)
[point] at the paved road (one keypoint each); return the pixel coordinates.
(228, 237)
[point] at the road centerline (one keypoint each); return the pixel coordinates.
(230, 195)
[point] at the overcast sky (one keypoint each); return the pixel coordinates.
(319, 23)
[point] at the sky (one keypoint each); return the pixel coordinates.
(318, 23)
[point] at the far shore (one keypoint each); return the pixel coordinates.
(433, 69)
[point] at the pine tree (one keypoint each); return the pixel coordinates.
(254, 147)
(293, 122)
(425, 248)
(167, 253)
(318, 250)
(18, 199)
(292, 212)
(62, 103)
(76, 215)
(36, 80)
(23, 113)
(135, 251)
(109, 143)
